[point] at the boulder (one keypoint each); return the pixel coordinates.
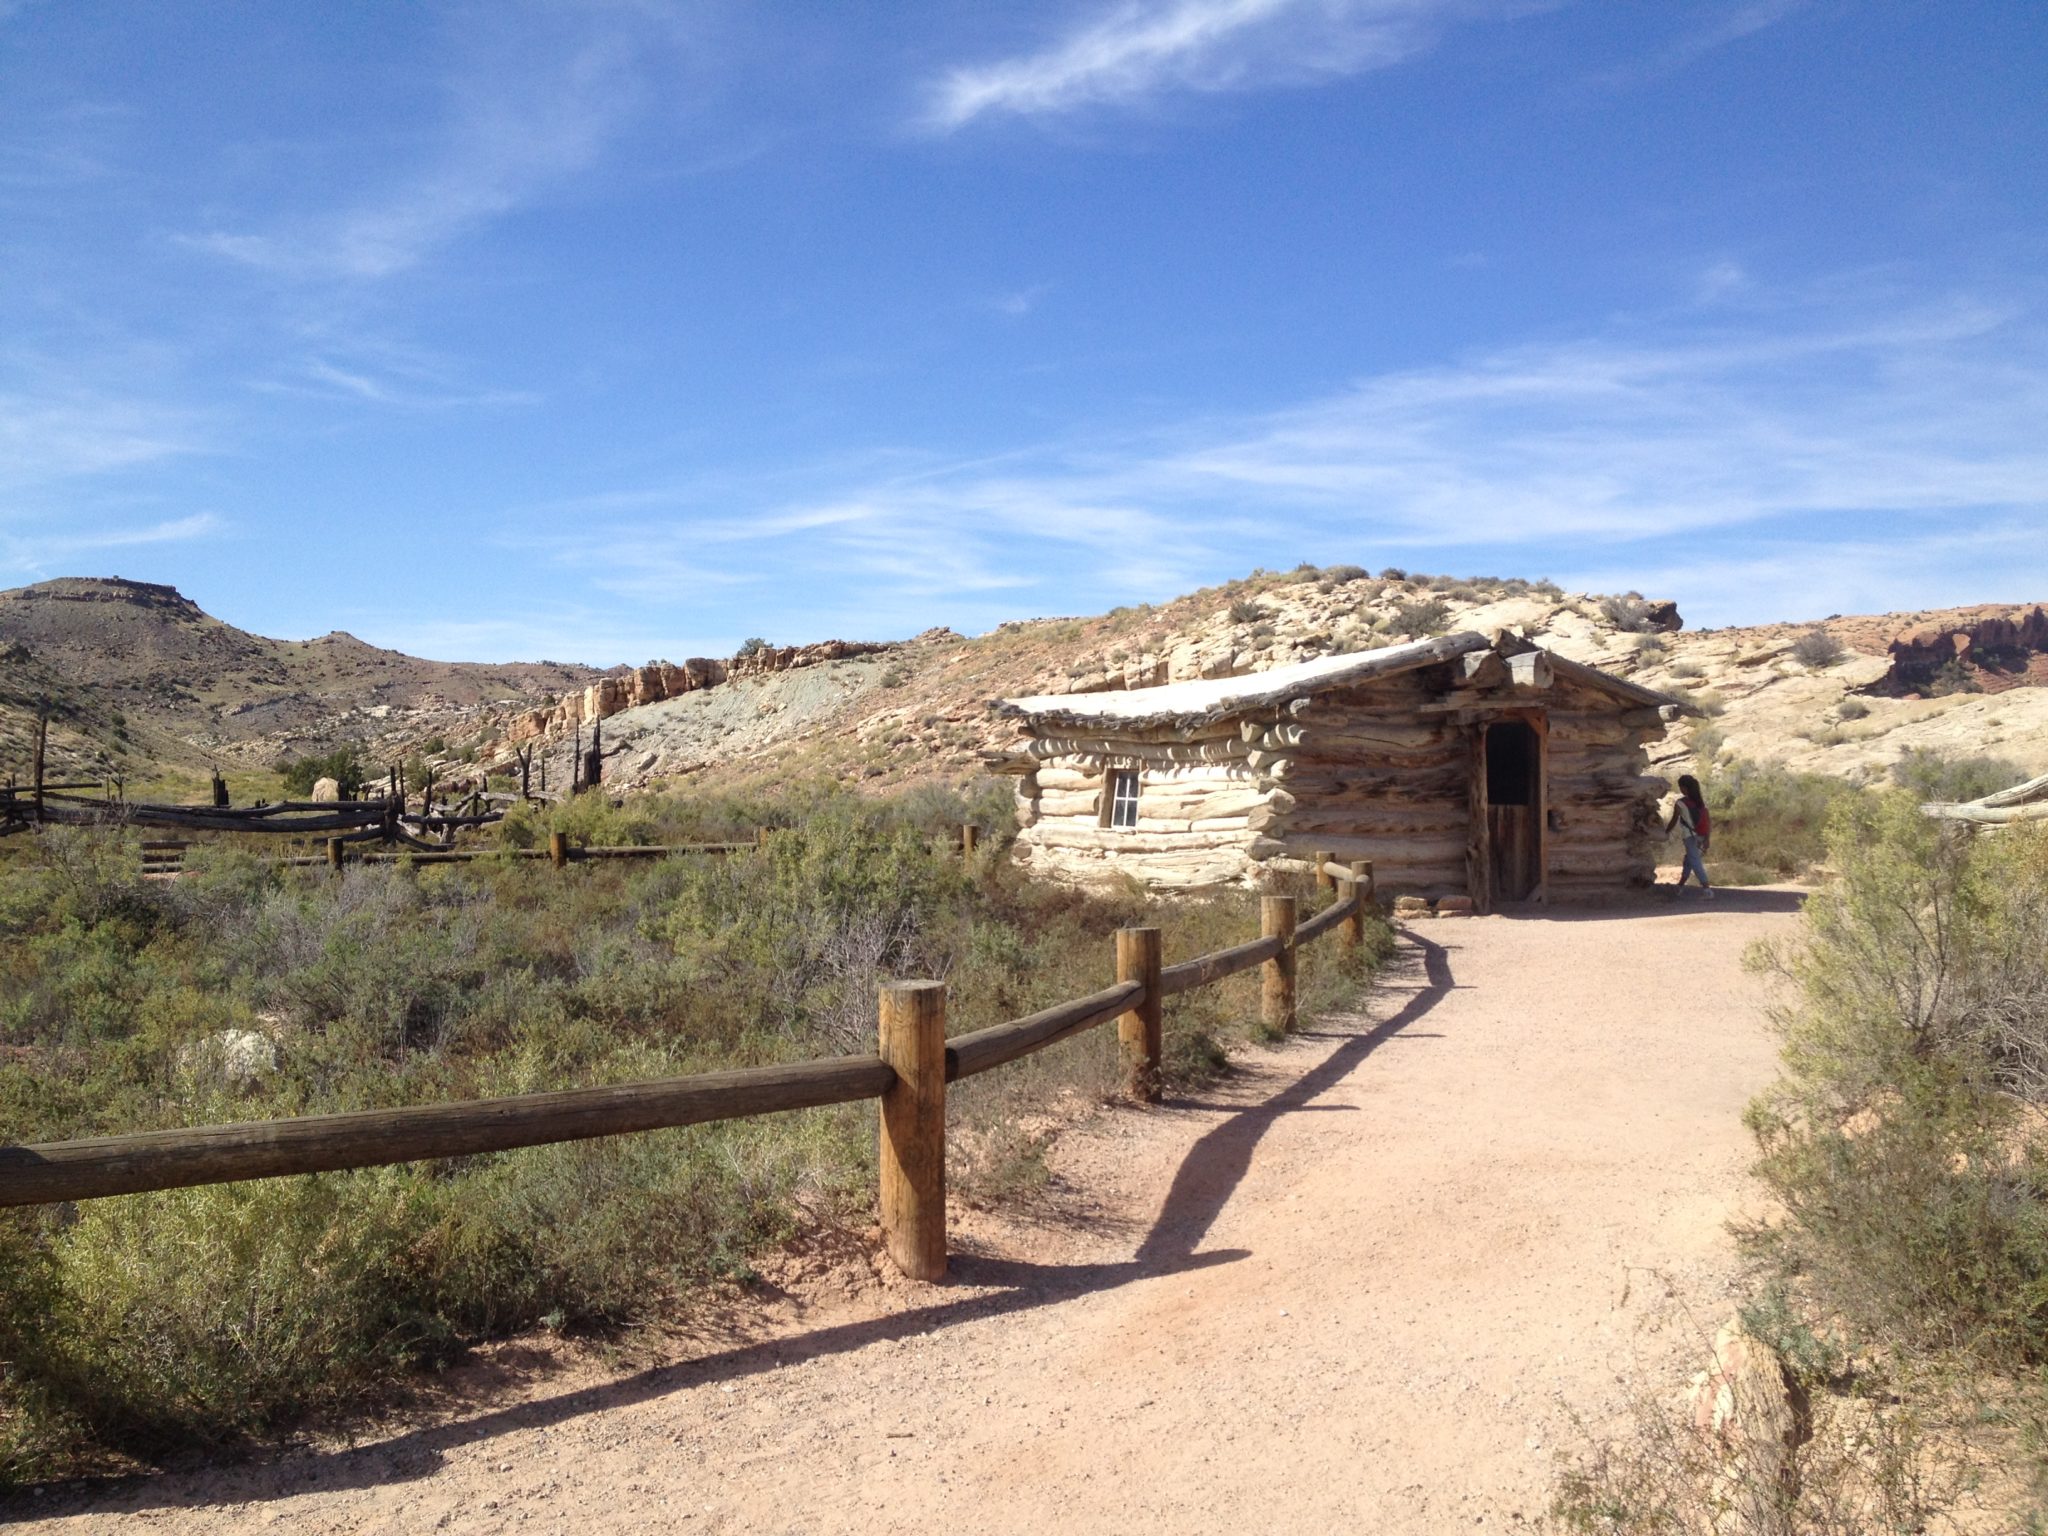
(235, 1056)
(326, 789)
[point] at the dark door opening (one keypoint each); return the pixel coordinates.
(1514, 764)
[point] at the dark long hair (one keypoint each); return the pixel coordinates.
(1689, 787)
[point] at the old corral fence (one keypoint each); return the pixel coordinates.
(166, 859)
(909, 1073)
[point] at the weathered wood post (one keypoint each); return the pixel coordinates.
(558, 849)
(1141, 1032)
(969, 835)
(1325, 881)
(913, 1163)
(42, 743)
(1361, 898)
(1276, 976)
(220, 789)
(334, 854)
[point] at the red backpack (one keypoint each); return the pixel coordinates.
(1702, 823)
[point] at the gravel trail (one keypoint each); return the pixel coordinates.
(1371, 1283)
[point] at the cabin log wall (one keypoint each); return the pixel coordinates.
(1380, 769)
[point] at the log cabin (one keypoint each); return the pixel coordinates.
(1459, 765)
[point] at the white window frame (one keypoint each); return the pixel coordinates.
(1117, 804)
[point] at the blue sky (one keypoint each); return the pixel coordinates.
(612, 330)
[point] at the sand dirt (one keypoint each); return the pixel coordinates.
(1371, 1283)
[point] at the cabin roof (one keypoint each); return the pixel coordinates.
(1211, 699)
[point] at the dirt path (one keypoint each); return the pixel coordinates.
(1368, 1287)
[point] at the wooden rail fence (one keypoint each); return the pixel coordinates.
(166, 858)
(909, 1072)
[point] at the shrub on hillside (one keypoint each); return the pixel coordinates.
(1427, 616)
(1244, 610)
(1934, 775)
(1817, 649)
(1628, 612)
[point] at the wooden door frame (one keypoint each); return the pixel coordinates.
(1478, 839)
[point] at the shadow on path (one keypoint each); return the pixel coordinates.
(1201, 1187)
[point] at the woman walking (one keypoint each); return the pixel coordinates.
(1689, 818)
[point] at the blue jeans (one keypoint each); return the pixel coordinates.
(1694, 864)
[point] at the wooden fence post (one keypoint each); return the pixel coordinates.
(913, 1163)
(1361, 898)
(1276, 976)
(969, 834)
(1325, 881)
(334, 854)
(558, 849)
(1140, 1033)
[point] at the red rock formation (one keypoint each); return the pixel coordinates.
(1996, 649)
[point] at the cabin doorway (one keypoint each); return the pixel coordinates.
(1514, 836)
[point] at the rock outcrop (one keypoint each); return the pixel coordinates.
(1995, 652)
(632, 687)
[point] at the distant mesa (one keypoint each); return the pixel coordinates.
(106, 589)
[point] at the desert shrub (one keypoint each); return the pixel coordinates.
(893, 677)
(1770, 823)
(1953, 677)
(1709, 703)
(1688, 669)
(1546, 588)
(1244, 610)
(1818, 649)
(1852, 709)
(1934, 775)
(1426, 616)
(1627, 612)
(1866, 1464)
(1917, 1027)
(158, 1319)
(1338, 575)
(753, 645)
(343, 764)
(1650, 646)
(1393, 573)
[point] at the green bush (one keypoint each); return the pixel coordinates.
(344, 765)
(1770, 823)
(160, 1319)
(1427, 616)
(1933, 775)
(1817, 649)
(1916, 1035)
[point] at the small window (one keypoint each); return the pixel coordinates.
(1123, 797)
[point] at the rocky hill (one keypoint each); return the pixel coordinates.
(1844, 696)
(145, 681)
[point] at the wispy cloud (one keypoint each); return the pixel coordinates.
(1726, 22)
(324, 379)
(528, 110)
(38, 554)
(60, 433)
(1138, 48)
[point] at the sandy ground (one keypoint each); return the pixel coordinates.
(1375, 1283)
